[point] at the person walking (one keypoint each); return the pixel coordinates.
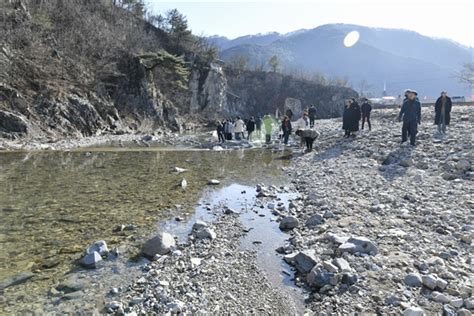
(365, 110)
(443, 112)
(286, 128)
(312, 115)
(411, 115)
(351, 117)
(220, 132)
(268, 125)
(239, 128)
(258, 127)
(250, 128)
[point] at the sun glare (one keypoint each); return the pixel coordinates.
(351, 39)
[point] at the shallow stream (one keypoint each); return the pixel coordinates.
(54, 204)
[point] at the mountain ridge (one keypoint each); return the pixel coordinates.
(432, 62)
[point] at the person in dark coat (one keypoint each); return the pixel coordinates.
(365, 110)
(220, 131)
(443, 112)
(286, 129)
(351, 117)
(250, 128)
(411, 115)
(312, 115)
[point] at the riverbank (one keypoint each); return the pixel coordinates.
(408, 211)
(387, 228)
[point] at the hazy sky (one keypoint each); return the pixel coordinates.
(453, 19)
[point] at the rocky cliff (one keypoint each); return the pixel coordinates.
(52, 88)
(228, 92)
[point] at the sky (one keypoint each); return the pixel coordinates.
(452, 19)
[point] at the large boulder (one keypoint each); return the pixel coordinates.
(289, 222)
(305, 260)
(161, 244)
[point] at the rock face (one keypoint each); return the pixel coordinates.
(256, 93)
(161, 244)
(293, 105)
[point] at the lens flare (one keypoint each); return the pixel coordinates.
(351, 38)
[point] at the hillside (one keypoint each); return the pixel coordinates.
(400, 58)
(86, 68)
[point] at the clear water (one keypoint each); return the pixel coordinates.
(54, 204)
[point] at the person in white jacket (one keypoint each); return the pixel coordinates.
(239, 128)
(300, 125)
(306, 132)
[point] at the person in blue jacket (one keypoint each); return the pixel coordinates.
(410, 113)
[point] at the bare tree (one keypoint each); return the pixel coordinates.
(364, 86)
(466, 75)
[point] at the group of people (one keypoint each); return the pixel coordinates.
(353, 113)
(410, 115)
(235, 129)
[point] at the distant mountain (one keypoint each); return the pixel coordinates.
(400, 58)
(223, 42)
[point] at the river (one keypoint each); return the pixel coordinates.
(54, 204)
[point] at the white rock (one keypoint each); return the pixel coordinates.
(179, 170)
(457, 302)
(161, 244)
(99, 246)
(413, 311)
(195, 262)
(213, 182)
(330, 267)
(360, 245)
(342, 264)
